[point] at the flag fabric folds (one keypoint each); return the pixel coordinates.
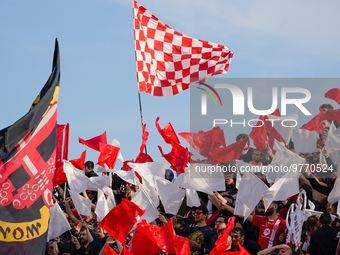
(79, 162)
(108, 155)
(333, 94)
(205, 143)
(259, 135)
(61, 153)
(315, 124)
(94, 142)
(168, 61)
(233, 151)
(58, 223)
(120, 220)
(27, 167)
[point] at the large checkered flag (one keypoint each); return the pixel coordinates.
(168, 61)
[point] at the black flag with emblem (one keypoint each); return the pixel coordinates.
(27, 164)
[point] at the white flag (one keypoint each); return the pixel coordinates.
(251, 189)
(171, 195)
(285, 187)
(142, 199)
(184, 180)
(76, 180)
(117, 144)
(102, 207)
(58, 223)
(95, 183)
(149, 168)
(304, 141)
(285, 130)
(82, 204)
(334, 195)
(192, 198)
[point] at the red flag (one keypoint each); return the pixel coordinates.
(315, 124)
(259, 135)
(145, 137)
(125, 166)
(93, 143)
(178, 158)
(61, 153)
(268, 124)
(163, 237)
(108, 155)
(274, 135)
(205, 143)
(211, 219)
(141, 244)
(168, 61)
(221, 243)
(120, 220)
(143, 158)
(80, 162)
(332, 115)
(242, 251)
(168, 133)
(233, 151)
(109, 251)
(182, 246)
(333, 94)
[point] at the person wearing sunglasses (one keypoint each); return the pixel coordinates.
(201, 236)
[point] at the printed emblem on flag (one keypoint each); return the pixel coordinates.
(27, 165)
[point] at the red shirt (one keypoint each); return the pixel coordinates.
(270, 230)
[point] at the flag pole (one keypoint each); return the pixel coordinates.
(139, 98)
(141, 115)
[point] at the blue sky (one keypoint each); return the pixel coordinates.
(98, 91)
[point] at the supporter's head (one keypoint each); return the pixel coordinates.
(90, 194)
(83, 238)
(52, 248)
(256, 156)
(90, 219)
(240, 137)
(179, 225)
(89, 166)
(331, 208)
(285, 250)
(221, 224)
(272, 208)
(169, 175)
(200, 213)
(326, 123)
(325, 107)
(229, 178)
(130, 190)
(229, 198)
(325, 219)
(312, 224)
(316, 156)
(237, 235)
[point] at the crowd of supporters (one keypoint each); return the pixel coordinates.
(262, 232)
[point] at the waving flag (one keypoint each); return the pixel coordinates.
(61, 153)
(27, 167)
(168, 61)
(333, 94)
(94, 142)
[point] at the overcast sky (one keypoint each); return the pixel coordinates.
(98, 90)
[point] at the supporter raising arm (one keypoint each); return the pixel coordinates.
(272, 226)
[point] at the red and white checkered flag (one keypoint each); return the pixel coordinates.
(168, 61)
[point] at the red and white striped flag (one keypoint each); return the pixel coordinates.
(168, 61)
